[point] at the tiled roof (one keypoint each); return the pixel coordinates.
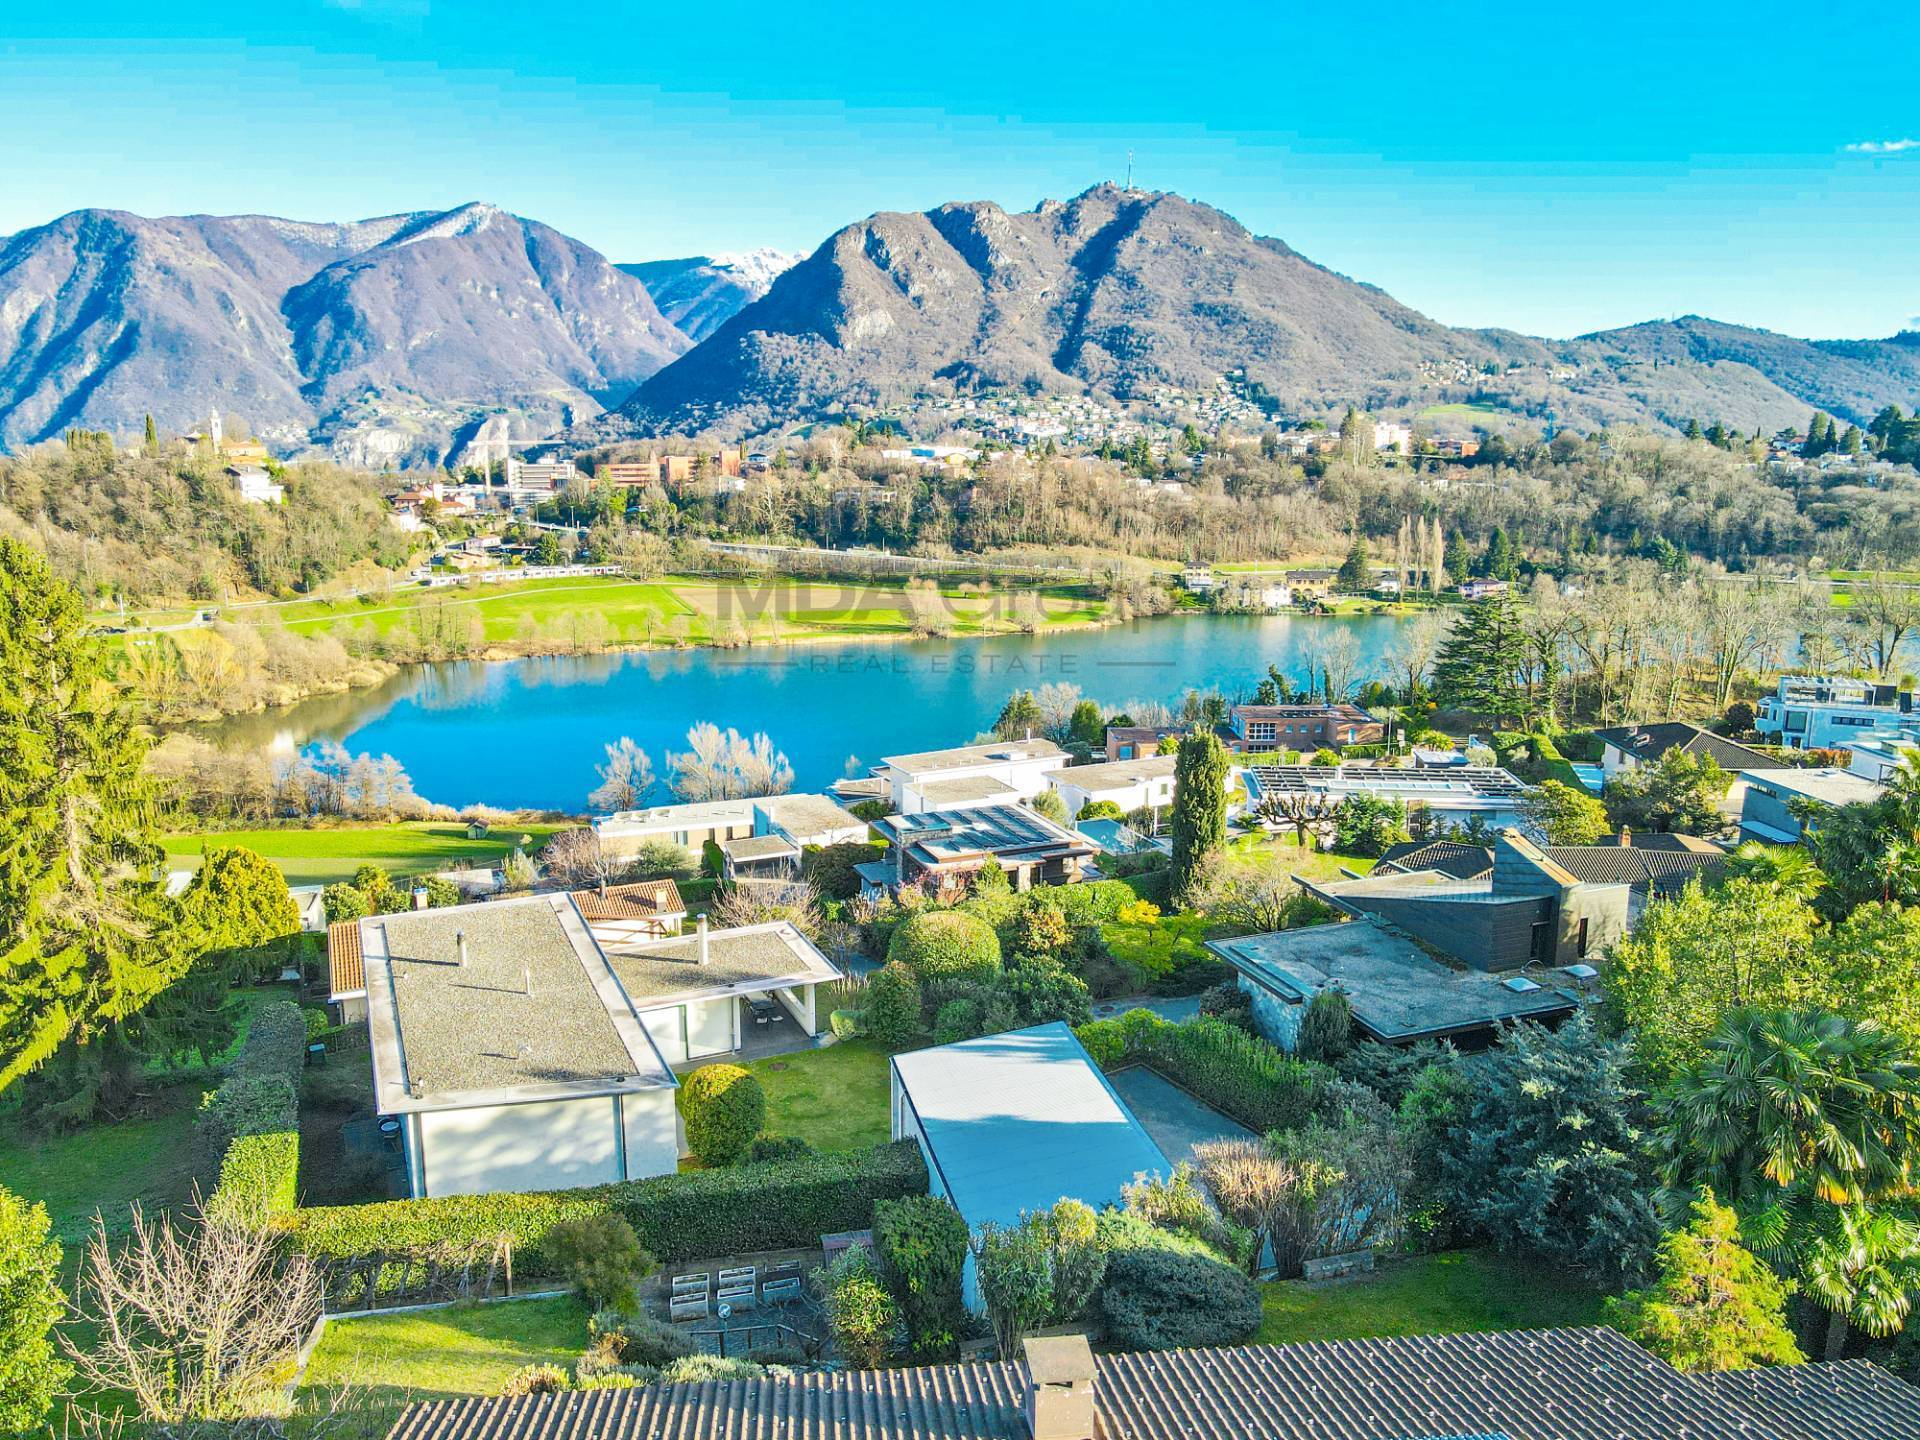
(346, 971)
(1651, 869)
(1462, 862)
(1586, 1384)
(1650, 742)
(1825, 1402)
(638, 900)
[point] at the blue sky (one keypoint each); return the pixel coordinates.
(1488, 164)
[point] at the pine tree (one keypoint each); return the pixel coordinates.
(1459, 562)
(1850, 442)
(1353, 570)
(1499, 562)
(1693, 430)
(1481, 665)
(1199, 817)
(153, 438)
(80, 945)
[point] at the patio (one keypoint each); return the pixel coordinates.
(1177, 1122)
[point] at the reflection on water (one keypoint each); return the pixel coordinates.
(529, 732)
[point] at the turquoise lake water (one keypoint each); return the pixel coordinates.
(529, 732)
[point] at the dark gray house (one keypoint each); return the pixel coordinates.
(1525, 908)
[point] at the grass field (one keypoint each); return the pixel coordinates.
(1262, 853)
(834, 1098)
(1446, 1294)
(320, 857)
(430, 1354)
(674, 609)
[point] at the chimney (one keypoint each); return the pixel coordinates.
(1059, 1388)
(1626, 837)
(526, 979)
(701, 931)
(460, 947)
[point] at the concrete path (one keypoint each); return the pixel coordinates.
(1176, 1121)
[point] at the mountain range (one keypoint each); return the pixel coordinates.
(394, 340)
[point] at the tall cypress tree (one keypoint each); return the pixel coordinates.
(1199, 819)
(80, 901)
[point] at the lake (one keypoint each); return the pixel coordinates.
(529, 732)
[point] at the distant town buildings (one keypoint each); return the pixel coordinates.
(255, 485)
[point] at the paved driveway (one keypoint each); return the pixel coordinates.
(1176, 1121)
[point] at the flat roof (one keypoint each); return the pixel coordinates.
(965, 788)
(742, 961)
(942, 837)
(1117, 774)
(806, 815)
(1827, 784)
(960, 756)
(759, 847)
(688, 816)
(531, 1012)
(1018, 1120)
(1398, 991)
(1459, 784)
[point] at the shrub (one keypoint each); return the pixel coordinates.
(946, 944)
(860, 1312)
(317, 1023)
(32, 1369)
(724, 1108)
(922, 1250)
(248, 1129)
(536, 1380)
(699, 1366)
(695, 1215)
(1326, 1030)
(603, 1258)
(1100, 810)
(636, 1339)
(1239, 1074)
(956, 1020)
(830, 868)
(1157, 1299)
(664, 860)
(777, 1147)
(847, 1024)
(892, 1013)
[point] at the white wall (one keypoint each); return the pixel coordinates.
(546, 1145)
(652, 1126)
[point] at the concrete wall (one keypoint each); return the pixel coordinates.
(547, 1145)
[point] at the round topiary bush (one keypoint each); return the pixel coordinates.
(892, 1012)
(946, 945)
(724, 1108)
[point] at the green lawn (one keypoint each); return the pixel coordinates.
(103, 1167)
(1253, 853)
(322, 856)
(1460, 1291)
(834, 1098)
(676, 608)
(389, 1360)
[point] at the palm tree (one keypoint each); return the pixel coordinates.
(1797, 1100)
(1863, 1270)
(1787, 868)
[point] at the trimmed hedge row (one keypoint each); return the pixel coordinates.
(698, 1214)
(250, 1125)
(1241, 1075)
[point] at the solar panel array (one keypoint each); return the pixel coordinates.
(945, 834)
(1483, 780)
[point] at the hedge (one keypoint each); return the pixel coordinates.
(695, 1215)
(250, 1125)
(1241, 1075)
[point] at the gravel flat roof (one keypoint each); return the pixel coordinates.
(527, 1008)
(743, 961)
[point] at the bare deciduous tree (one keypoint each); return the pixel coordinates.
(1308, 812)
(726, 765)
(578, 860)
(195, 1319)
(759, 902)
(625, 778)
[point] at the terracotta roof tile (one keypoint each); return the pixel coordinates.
(638, 900)
(346, 973)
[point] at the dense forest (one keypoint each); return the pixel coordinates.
(164, 522)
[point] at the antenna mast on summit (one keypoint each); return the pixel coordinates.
(1129, 169)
